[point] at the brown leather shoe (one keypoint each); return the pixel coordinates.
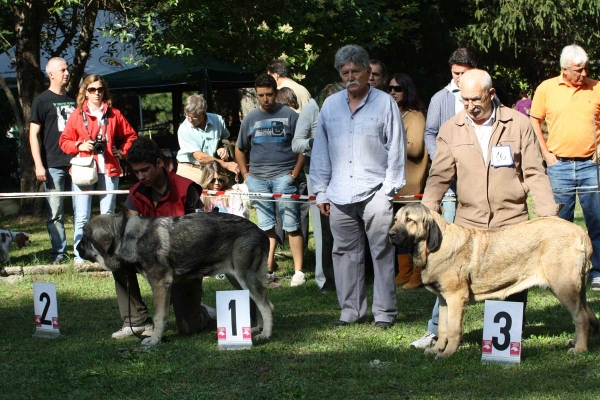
(405, 268)
(415, 279)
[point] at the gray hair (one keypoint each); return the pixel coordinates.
(195, 104)
(351, 53)
(51, 62)
(480, 76)
(573, 54)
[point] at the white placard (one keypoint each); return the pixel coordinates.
(502, 328)
(233, 320)
(45, 310)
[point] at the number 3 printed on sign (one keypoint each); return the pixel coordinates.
(505, 330)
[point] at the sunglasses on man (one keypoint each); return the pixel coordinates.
(395, 88)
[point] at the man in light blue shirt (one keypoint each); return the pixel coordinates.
(201, 138)
(357, 166)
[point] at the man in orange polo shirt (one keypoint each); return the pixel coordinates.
(570, 104)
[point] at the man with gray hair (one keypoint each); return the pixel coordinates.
(49, 114)
(202, 138)
(357, 166)
(570, 104)
(493, 176)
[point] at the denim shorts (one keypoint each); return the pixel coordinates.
(265, 210)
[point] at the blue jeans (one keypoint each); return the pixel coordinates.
(82, 205)
(265, 210)
(449, 204)
(57, 180)
(564, 177)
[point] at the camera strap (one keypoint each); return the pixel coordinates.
(104, 124)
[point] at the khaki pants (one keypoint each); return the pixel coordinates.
(193, 172)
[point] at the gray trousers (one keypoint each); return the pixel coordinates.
(350, 224)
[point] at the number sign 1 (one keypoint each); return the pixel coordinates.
(46, 310)
(502, 325)
(233, 320)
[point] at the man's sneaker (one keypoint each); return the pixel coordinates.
(596, 284)
(427, 340)
(220, 277)
(125, 332)
(59, 259)
(298, 279)
(211, 311)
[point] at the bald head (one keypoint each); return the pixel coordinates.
(477, 95)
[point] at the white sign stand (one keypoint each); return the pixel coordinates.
(502, 328)
(46, 310)
(234, 331)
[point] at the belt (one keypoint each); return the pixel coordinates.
(573, 159)
(193, 165)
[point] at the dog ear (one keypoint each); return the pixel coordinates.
(103, 241)
(434, 235)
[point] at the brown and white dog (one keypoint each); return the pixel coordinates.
(6, 238)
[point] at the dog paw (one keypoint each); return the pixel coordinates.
(149, 343)
(576, 350)
(262, 337)
(431, 351)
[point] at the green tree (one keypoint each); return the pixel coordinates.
(527, 36)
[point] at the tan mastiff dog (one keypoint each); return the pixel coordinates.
(461, 264)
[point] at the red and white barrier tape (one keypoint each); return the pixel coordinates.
(275, 196)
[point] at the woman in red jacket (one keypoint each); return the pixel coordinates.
(96, 128)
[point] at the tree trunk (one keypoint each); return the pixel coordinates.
(84, 46)
(29, 20)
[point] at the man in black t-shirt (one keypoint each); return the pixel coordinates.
(49, 114)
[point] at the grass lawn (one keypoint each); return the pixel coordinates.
(306, 358)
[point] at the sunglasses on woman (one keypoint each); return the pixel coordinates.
(93, 90)
(218, 180)
(396, 88)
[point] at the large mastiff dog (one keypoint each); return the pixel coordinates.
(171, 249)
(461, 264)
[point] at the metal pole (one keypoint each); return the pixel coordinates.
(141, 113)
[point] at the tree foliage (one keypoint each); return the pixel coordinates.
(306, 33)
(529, 34)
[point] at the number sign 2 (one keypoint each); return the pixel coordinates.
(502, 324)
(46, 310)
(233, 319)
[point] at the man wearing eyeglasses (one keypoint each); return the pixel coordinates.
(378, 76)
(493, 155)
(570, 105)
(444, 105)
(49, 114)
(202, 138)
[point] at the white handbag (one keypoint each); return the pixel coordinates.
(84, 171)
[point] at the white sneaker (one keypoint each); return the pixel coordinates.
(427, 340)
(298, 279)
(127, 331)
(211, 311)
(596, 284)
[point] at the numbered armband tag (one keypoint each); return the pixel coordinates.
(46, 310)
(501, 156)
(502, 325)
(233, 320)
